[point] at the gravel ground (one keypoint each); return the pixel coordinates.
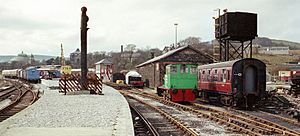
(55, 110)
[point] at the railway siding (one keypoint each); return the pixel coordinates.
(200, 126)
(235, 122)
(17, 97)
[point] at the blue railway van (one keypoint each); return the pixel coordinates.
(32, 75)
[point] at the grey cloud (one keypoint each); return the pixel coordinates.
(22, 23)
(142, 22)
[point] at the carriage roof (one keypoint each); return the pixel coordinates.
(225, 64)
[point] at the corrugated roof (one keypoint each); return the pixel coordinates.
(104, 61)
(167, 54)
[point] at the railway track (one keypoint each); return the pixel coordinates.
(149, 122)
(271, 119)
(23, 97)
(232, 119)
(8, 92)
(190, 124)
(253, 121)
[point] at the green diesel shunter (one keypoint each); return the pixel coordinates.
(180, 82)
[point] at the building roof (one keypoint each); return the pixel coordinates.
(169, 53)
(104, 61)
(133, 74)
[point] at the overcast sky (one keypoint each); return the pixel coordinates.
(40, 26)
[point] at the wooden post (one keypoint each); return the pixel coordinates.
(84, 29)
(65, 85)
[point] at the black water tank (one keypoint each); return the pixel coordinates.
(240, 26)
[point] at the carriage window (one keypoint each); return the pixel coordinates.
(223, 75)
(228, 75)
(173, 69)
(193, 70)
(209, 76)
(216, 75)
(184, 69)
(203, 75)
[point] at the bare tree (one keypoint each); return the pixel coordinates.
(190, 41)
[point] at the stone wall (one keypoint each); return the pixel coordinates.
(148, 74)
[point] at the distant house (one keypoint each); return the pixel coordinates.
(104, 69)
(153, 70)
(284, 75)
(273, 50)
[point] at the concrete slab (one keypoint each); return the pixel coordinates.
(72, 115)
(75, 131)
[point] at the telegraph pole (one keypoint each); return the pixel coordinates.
(83, 34)
(176, 24)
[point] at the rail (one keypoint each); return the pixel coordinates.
(25, 98)
(236, 122)
(146, 121)
(166, 115)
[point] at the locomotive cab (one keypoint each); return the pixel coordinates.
(180, 83)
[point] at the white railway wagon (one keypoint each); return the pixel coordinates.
(13, 73)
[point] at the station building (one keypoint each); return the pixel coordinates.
(274, 50)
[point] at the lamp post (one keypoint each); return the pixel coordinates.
(175, 24)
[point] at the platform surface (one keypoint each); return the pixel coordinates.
(55, 114)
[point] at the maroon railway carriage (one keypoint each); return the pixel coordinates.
(237, 83)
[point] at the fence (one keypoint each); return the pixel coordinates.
(71, 83)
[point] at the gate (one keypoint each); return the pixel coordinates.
(71, 83)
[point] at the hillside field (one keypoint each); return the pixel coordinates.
(275, 62)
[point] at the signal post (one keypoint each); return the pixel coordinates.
(83, 34)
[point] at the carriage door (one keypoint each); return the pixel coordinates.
(250, 80)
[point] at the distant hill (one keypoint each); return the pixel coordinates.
(7, 58)
(263, 41)
(292, 45)
(43, 57)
